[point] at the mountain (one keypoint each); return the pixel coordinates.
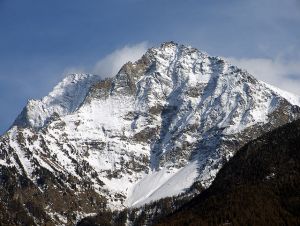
(260, 185)
(162, 124)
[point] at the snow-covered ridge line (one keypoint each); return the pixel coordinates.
(64, 99)
(291, 97)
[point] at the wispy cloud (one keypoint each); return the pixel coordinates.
(111, 64)
(278, 72)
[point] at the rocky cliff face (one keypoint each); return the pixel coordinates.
(172, 118)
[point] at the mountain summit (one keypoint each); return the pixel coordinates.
(163, 123)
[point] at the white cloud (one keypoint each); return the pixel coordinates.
(112, 63)
(277, 72)
(109, 65)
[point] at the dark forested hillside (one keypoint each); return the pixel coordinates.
(260, 185)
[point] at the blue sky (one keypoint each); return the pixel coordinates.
(40, 41)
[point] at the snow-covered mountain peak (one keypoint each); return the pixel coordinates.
(167, 59)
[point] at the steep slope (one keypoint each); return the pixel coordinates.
(65, 98)
(174, 117)
(292, 98)
(260, 185)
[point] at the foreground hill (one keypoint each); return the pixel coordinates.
(260, 185)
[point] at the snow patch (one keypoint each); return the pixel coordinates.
(166, 182)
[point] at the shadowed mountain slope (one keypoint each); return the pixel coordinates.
(260, 185)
